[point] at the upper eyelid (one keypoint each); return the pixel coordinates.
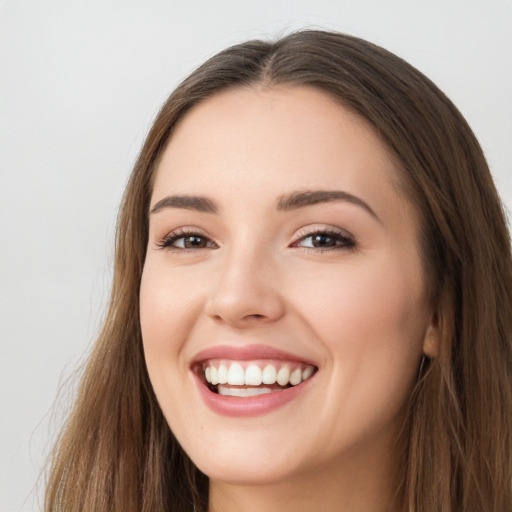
(300, 234)
(308, 231)
(182, 232)
(347, 239)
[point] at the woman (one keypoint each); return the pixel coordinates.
(311, 307)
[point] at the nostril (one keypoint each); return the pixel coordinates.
(244, 307)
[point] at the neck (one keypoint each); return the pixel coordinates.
(362, 486)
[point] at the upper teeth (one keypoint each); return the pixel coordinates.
(254, 375)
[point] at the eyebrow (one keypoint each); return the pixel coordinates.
(288, 202)
(311, 197)
(187, 202)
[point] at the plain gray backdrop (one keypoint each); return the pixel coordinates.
(80, 82)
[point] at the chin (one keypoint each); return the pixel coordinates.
(245, 471)
(247, 458)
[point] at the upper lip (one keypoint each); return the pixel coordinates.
(247, 353)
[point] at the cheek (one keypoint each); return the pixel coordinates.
(367, 309)
(165, 315)
(372, 320)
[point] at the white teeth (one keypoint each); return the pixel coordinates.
(253, 375)
(214, 375)
(307, 372)
(296, 377)
(236, 375)
(283, 375)
(243, 391)
(269, 374)
(222, 374)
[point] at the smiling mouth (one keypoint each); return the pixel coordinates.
(252, 378)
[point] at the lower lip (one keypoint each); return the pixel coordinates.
(235, 406)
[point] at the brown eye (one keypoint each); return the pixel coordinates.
(180, 241)
(193, 242)
(323, 241)
(326, 240)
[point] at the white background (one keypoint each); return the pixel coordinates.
(80, 82)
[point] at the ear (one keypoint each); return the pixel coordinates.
(431, 341)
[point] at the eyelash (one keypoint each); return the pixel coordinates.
(170, 239)
(341, 240)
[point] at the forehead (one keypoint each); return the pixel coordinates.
(245, 120)
(240, 141)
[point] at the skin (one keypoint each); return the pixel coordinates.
(357, 310)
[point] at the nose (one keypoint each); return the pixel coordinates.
(245, 291)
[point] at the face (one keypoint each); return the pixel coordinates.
(283, 304)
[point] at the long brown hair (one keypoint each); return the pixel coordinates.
(117, 452)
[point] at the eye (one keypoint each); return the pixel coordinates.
(182, 241)
(325, 240)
